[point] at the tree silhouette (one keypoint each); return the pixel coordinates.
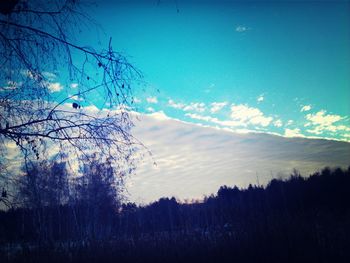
(40, 51)
(97, 196)
(43, 184)
(301, 219)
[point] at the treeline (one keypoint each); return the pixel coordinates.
(295, 220)
(49, 203)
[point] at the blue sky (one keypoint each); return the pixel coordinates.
(218, 70)
(233, 93)
(277, 67)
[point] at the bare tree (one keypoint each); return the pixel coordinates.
(97, 194)
(39, 53)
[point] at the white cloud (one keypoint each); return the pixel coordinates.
(152, 100)
(305, 108)
(289, 122)
(74, 85)
(241, 28)
(193, 106)
(200, 117)
(159, 115)
(278, 123)
(75, 97)
(249, 115)
(198, 107)
(343, 128)
(321, 121)
(261, 120)
(332, 128)
(227, 123)
(260, 98)
(175, 105)
(11, 85)
(188, 155)
(50, 76)
(315, 131)
(217, 106)
(91, 109)
(31, 74)
(54, 87)
(137, 100)
(241, 116)
(292, 133)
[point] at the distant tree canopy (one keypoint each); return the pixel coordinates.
(40, 49)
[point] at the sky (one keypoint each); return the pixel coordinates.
(193, 161)
(233, 92)
(276, 67)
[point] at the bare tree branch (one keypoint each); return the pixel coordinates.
(39, 51)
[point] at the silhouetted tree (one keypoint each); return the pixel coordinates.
(5, 201)
(97, 195)
(44, 184)
(40, 51)
(44, 189)
(296, 220)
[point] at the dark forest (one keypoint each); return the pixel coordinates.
(295, 220)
